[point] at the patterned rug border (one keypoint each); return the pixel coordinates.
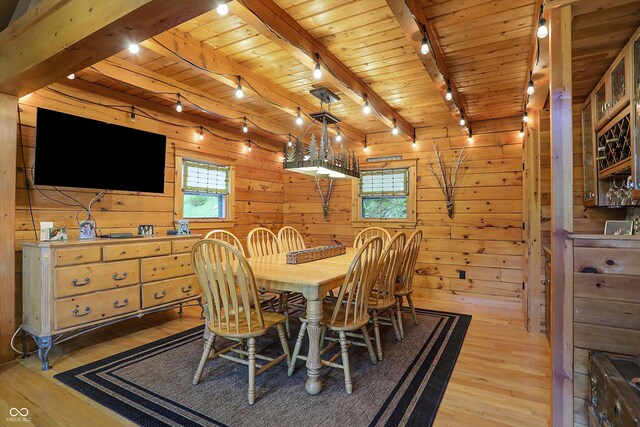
(423, 413)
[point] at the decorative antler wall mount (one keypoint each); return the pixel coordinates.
(446, 174)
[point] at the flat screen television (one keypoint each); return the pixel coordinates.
(73, 151)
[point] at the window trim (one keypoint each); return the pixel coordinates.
(178, 194)
(356, 199)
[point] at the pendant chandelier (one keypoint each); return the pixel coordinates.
(323, 160)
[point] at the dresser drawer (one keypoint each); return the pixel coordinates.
(182, 246)
(72, 256)
(81, 279)
(166, 267)
(166, 291)
(136, 250)
(97, 306)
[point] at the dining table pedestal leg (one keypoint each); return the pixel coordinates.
(314, 329)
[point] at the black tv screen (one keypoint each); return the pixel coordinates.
(73, 151)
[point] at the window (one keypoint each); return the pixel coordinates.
(386, 194)
(383, 193)
(204, 190)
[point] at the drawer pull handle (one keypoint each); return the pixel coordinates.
(182, 264)
(79, 256)
(124, 276)
(125, 302)
(75, 282)
(160, 296)
(123, 252)
(76, 312)
(157, 249)
(186, 246)
(186, 289)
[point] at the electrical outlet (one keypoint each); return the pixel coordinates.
(463, 274)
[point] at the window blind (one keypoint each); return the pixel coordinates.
(200, 177)
(384, 182)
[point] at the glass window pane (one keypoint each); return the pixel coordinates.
(384, 207)
(203, 206)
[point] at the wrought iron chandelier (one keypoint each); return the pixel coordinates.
(325, 160)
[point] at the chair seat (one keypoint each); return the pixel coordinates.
(380, 305)
(327, 312)
(270, 319)
(402, 292)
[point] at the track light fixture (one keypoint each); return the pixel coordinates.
(134, 48)
(299, 117)
(530, 88)
(449, 95)
(245, 128)
(179, 105)
(222, 8)
(543, 31)
(367, 108)
(239, 91)
(317, 72)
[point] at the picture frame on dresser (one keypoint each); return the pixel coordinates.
(618, 228)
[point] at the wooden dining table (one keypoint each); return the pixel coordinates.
(313, 280)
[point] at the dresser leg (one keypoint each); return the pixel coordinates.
(44, 346)
(25, 353)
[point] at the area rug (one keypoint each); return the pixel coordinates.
(151, 385)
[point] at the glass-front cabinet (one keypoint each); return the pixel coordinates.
(613, 91)
(589, 169)
(635, 115)
(600, 101)
(618, 84)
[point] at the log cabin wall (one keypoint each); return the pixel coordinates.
(258, 179)
(484, 238)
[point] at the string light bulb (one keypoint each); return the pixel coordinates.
(530, 88)
(179, 105)
(134, 48)
(201, 136)
(367, 108)
(449, 94)
(249, 146)
(71, 76)
(290, 142)
(365, 146)
(394, 129)
(543, 31)
(470, 140)
(239, 91)
(424, 46)
(521, 133)
(222, 8)
(132, 116)
(245, 128)
(317, 72)
(339, 135)
(525, 117)
(462, 119)
(415, 143)
(299, 117)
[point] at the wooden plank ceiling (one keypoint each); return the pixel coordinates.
(486, 46)
(599, 31)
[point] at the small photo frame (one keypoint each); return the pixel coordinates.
(183, 226)
(45, 227)
(87, 229)
(146, 230)
(618, 228)
(58, 234)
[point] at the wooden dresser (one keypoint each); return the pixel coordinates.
(72, 286)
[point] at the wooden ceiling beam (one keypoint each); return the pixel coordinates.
(434, 63)
(143, 78)
(274, 23)
(184, 48)
(80, 86)
(58, 37)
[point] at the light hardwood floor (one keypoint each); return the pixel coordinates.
(502, 376)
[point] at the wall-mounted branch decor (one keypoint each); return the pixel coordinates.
(447, 175)
(324, 197)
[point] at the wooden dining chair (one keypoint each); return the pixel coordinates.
(382, 299)
(290, 239)
(232, 309)
(262, 242)
(404, 287)
(371, 232)
(350, 312)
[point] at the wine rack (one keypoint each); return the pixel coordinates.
(614, 149)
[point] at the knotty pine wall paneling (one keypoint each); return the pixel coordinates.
(259, 185)
(484, 238)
